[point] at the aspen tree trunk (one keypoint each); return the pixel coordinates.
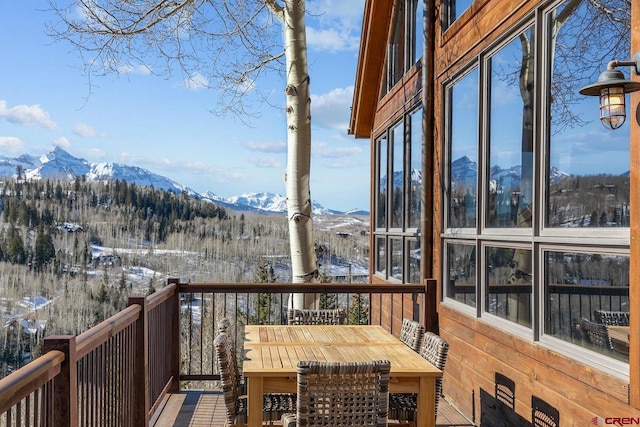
(304, 266)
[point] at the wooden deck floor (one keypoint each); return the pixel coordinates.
(197, 408)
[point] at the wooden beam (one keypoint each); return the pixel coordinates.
(634, 268)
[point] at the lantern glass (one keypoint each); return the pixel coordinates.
(612, 107)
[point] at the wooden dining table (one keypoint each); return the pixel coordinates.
(272, 352)
(619, 334)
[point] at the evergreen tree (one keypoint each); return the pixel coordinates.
(44, 251)
(358, 311)
(262, 306)
(152, 289)
(327, 301)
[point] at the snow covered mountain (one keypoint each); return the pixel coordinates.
(265, 203)
(60, 164)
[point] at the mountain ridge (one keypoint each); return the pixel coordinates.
(58, 163)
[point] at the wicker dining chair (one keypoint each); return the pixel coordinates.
(274, 404)
(341, 394)
(316, 317)
(412, 334)
(404, 406)
(224, 324)
(596, 334)
(612, 318)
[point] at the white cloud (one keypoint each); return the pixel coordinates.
(331, 40)
(347, 12)
(334, 25)
(30, 115)
(266, 147)
(10, 144)
(265, 162)
(134, 69)
(321, 149)
(196, 81)
(333, 109)
(84, 130)
(63, 142)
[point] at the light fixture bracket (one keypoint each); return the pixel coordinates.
(614, 77)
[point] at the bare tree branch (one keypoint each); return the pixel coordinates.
(227, 45)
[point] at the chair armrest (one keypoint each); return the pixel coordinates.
(289, 420)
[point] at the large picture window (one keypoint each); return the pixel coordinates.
(398, 207)
(534, 182)
(405, 47)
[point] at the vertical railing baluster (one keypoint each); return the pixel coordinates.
(141, 401)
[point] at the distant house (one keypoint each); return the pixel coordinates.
(69, 227)
(492, 174)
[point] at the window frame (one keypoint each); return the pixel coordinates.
(539, 238)
(389, 232)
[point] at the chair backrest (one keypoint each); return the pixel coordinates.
(543, 414)
(412, 334)
(223, 325)
(435, 350)
(612, 318)
(596, 333)
(341, 394)
(505, 391)
(316, 317)
(229, 378)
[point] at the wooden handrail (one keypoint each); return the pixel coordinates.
(19, 384)
(314, 288)
(91, 339)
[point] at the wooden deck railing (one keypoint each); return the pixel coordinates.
(117, 373)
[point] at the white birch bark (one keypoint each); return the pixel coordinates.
(304, 267)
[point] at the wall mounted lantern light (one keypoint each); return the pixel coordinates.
(611, 87)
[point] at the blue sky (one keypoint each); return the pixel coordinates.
(166, 126)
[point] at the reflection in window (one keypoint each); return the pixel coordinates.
(463, 165)
(381, 193)
(414, 18)
(381, 255)
(461, 265)
(581, 175)
(509, 284)
(406, 41)
(396, 258)
(581, 286)
(511, 134)
(414, 252)
(415, 174)
(397, 176)
(588, 174)
(398, 195)
(395, 50)
(453, 10)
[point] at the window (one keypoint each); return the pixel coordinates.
(588, 174)
(510, 140)
(406, 42)
(508, 289)
(534, 182)
(382, 175)
(414, 192)
(398, 206)
(463, 159)
(579, 284)
(453, 9)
